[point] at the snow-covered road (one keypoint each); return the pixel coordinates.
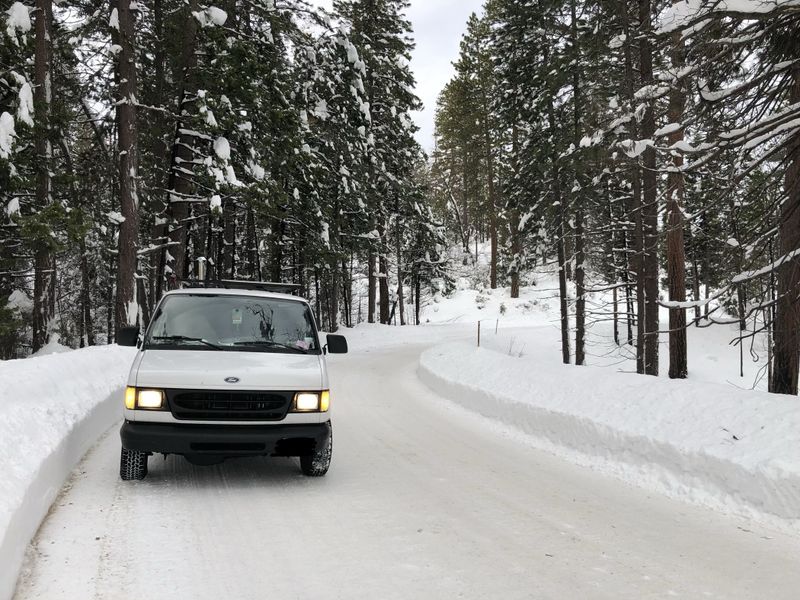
(422, 501)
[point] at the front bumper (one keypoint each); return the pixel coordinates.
(225, 440)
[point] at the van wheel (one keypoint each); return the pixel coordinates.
(318, 463)
(132, 465)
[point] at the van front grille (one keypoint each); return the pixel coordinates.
(214, 405)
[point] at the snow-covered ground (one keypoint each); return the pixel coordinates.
(530, 326)
(439, 485)
(708, 443)
(52, 410)
(423, 500)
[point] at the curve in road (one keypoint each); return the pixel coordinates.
(422, 501)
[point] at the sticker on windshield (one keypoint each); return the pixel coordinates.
(236, 314)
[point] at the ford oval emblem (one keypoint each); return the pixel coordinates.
(232, 379)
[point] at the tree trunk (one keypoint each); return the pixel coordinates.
(346, 292)
(317, 303)
(44, 284)
(695, 276)
(180, 186)
(228, 238)
(400, 292)
(465, 195)
(580, 289)
(635, 208)
(516, 244)
(126, 308)
(87, 324)
(383, 287)
(676, 252)
(492, 199)
(333, 300)
(560, 247)
(579, 198)
(158, 127)
(616, 313)
(417, 295)
(787, 315)
(109, 300)
(649, 202)
(371, 287)
(253, 261)
(279, 229)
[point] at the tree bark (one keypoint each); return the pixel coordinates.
(253, 261)
(786, 359)
(676, 251)
(492, 199)
(180, 187)
(126, 308)
(580, 253)
(635, 208)
(158, 125)
(371, 287)
(229, 238)
(44, 284)
(383, 286)
(87, 323)
(516, 245)
(560, 248)
(279, 229)
(649, 201)
(695, 275)
(400, 291)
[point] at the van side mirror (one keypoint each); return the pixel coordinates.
(337, 344)
(128, 336)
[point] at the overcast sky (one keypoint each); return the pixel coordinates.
(438, 26)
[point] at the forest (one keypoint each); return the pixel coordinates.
(647, 149)
(650, 150)
(267, 140)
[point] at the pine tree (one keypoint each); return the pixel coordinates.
(382, 35)
(123, 25)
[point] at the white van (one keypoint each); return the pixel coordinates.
(233, 370)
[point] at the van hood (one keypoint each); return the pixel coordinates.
(199, 369)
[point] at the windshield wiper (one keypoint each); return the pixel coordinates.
(271, 344)
(183, 338)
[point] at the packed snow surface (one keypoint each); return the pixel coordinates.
(423, 500)
(438, 487)
(731, 449)
(52, 409)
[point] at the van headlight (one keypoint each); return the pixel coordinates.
(150, 399)
(312, 401)
(145, 399)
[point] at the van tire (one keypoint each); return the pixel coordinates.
(318, 463)
(132, 465)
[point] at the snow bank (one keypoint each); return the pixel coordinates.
(53, 346)
(52, 409)
(733, 450)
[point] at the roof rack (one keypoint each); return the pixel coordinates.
(239, 284)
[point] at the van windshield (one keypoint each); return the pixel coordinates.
(234, 324)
